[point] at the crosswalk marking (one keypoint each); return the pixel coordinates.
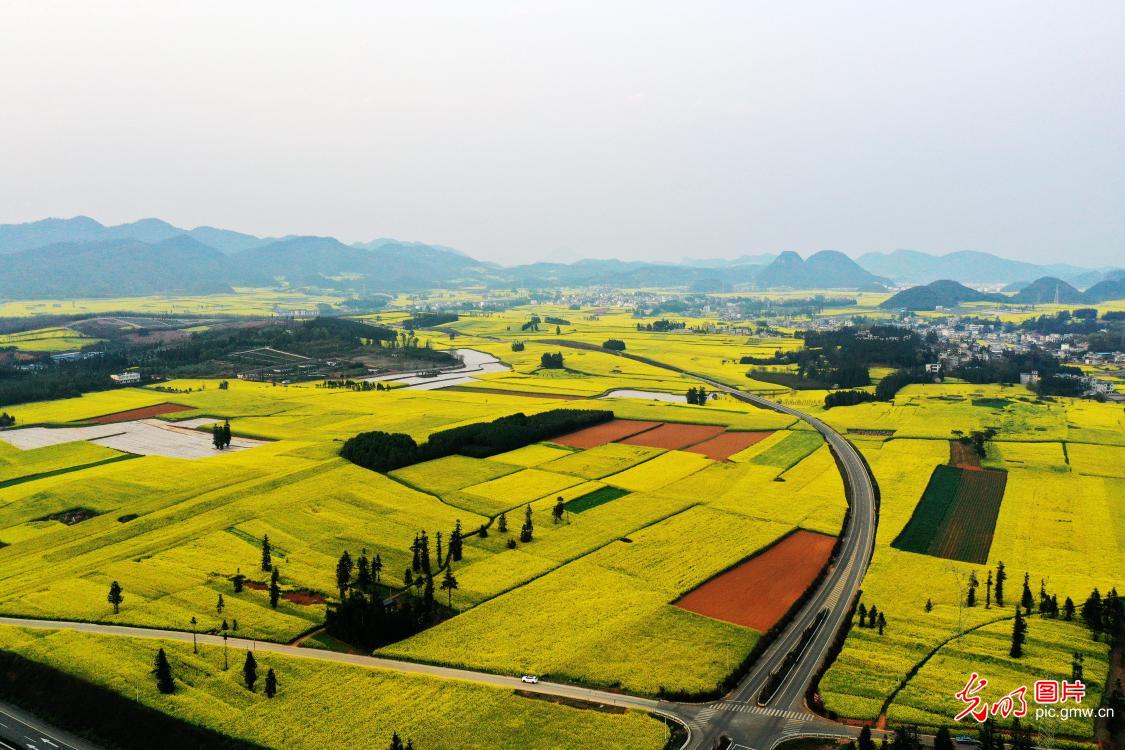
(749, 708)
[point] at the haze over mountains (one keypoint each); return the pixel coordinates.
(81, 257)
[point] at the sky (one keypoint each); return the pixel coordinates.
(521, 131)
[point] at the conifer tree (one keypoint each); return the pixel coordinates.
(1025, 597)
(1019, 635)
(376, 568)
(275, 588)
(1001, 576)
(267, 554)
(163, 671)
(115, 597)
(528, 529)
(250, 671)
(344, 573)
(271, 683)
(449, 584)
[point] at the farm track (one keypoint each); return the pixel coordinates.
(737, 715)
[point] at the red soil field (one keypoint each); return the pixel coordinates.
(304, 598)
(758, 592)
(672, 436)
(142, 413)
(722, 447)
(963, 455)
(606, 432)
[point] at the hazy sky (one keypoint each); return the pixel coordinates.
(644, 130)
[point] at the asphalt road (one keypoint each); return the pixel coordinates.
(738, 716)
(19, 730)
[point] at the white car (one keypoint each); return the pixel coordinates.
(530, 679)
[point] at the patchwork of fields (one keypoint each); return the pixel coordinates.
(665, 515)
(1060, 521)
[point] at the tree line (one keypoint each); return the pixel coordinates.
(384, 451)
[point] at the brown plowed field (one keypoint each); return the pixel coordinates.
(142, 413)
(963, 455)
(607, 432)
(722, 447)
(758, 592)
(672, 436)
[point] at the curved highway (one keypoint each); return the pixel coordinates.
(738, 715)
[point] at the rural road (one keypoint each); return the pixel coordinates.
(738, 716)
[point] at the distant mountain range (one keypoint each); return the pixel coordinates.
(81, 257)
(969, 267)
(1045, 290)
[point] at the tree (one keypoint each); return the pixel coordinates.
(219, 605)
(511, 543)
(1019, 635)
(396, 742)
(267, 554)
(363, 572)
(163, 671)
(1076, 667)
(1001, 576)
(1025, 598)
(449, 584)
(872, 615)
(217, 436)
(528, 529)
(437, 546)
(408, 578)
(882, 623)
(1068, 609)
(929, 606)
(226, 434)
(862, 612)
(971, 596)
(1092, 612)
(865, 741)
(376, 567)
(615, 345)
(416, 556)
(456, 542)
(424, 552)
(271, 683)
(250, 671)
(115, 596)
(275, 589)
(988, 592)
(558, 510)
(344, 573)
(239, 581)
(942, 741)
(502, 523)
(194, 641)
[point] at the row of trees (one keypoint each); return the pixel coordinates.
(220, 435)
(871, 618)
(384, 451)
(166, 682)
(847, 398)
(7, 420)
(552, 361)
(697, 396)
